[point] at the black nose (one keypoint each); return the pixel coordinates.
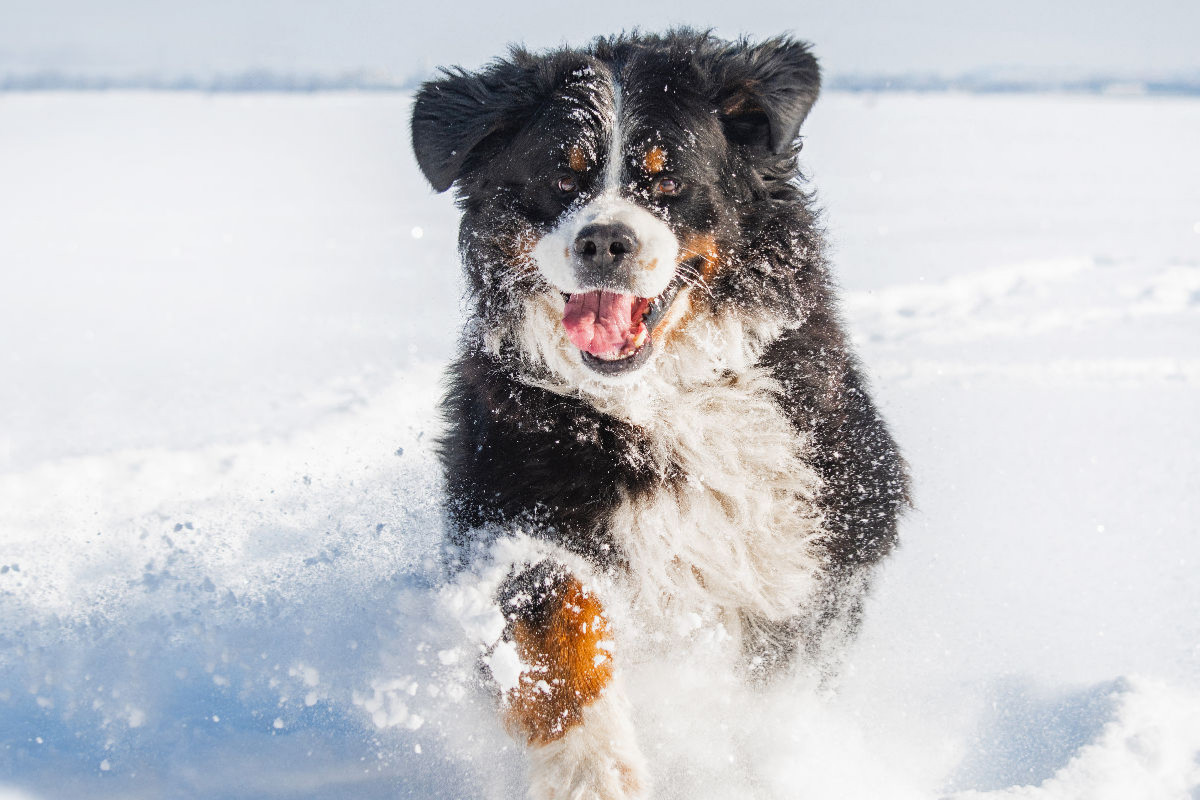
(602, 245)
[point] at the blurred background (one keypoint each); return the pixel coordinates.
(373, 41)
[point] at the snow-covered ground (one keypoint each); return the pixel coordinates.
(222, 320)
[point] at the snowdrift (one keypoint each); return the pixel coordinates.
(219, 523)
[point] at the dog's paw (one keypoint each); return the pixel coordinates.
(567, 775)
(596, 760)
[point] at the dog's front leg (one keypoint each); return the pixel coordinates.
(565, 705)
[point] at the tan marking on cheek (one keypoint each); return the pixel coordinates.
(681, 310)
(655, 160)
(524, 245)
(651, 265)
(518, 251)
(691, 300)
(704, 246)
(577, 159)
(567, 669)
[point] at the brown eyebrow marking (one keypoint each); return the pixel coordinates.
(576, 158)
(655, 160)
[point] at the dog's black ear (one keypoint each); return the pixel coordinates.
(766, 91)
(453, 115)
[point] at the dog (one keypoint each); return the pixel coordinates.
(654, 410)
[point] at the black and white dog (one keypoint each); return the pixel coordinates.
(654, 394)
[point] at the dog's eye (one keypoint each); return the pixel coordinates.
(567, 184)
(667, 186)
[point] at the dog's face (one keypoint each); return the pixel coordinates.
(615, 197)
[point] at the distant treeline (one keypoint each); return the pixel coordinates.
(1001, 84)
(250, 81)
(268, 81)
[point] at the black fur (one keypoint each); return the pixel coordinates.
(516, 455)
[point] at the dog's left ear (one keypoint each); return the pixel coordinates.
(766, 92)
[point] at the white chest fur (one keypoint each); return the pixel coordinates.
(739, 533)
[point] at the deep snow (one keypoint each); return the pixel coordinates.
(223, 320)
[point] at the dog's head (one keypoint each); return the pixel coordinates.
(627, 199)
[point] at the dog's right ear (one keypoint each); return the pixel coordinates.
(454, 115)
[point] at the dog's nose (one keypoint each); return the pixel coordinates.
(602, 245)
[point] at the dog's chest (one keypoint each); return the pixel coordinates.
(738, 530)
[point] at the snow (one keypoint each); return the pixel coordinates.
(224, 319)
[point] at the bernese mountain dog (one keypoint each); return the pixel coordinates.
(654, 413)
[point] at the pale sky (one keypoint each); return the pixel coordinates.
(938, 36)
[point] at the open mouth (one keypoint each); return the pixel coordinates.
(613, 330)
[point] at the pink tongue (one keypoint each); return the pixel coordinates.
(599, 322)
